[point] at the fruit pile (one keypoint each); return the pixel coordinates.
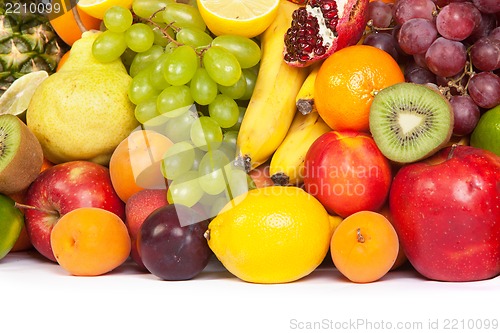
(270, 134)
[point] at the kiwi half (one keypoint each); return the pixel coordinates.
(21, 155)
(409, 121)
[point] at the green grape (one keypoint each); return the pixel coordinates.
(175, 99)
(206, 134)
(221, 65)
(117, 19)
(160, 33)
(198, 155)
(146, 8)
(203, 88)
(236, 90)
(224, 111)
(109, 46)
(144, 59)
(228, 150)
(127, 57)
(207, 200)
(139, 37)
(141, 89)
(230, 137)
(177, 128)
(177, 160)
(236, 127)
(238, 183)
(170, 47)
(156, 73)
(244, 49)
(182, 15)
(250, 78)
(218, 205)
(193, 37)
(212, 172)
(185, 190)
(146, 110)
(180, 65)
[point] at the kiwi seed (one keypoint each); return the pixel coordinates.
(409, 121)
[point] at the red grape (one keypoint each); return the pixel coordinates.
(466, 114)
(416, 74)
(416, 35)
(457, 20)
(484, 88)
(487, 6)
(404, 10)
(446, 57)
(487, 23)
(172, 250)
(485, 54)
(380, 13)
(383, 41)
(420, 60)
(495, 33)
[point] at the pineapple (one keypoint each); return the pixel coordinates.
(27, 44)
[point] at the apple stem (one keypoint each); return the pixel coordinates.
(360, 237)
(48, 211)
(452, 150)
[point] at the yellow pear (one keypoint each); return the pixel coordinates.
(82, 112)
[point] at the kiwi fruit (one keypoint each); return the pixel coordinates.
(410, 121)
(21, 155)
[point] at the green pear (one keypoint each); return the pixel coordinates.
(11, 224)
(82, 112)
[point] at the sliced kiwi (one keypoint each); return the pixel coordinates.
(410, 121)
(21, 155)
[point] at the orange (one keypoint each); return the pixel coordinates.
(62, 61)
(66, 26)
(90, 241)
(136, 163)
(347, 82)
(364, 246)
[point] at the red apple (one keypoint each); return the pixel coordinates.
(61, 189)
(137, 209)
(446, 211)
(347, 173)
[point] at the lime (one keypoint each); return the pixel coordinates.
(16, 99)
(247, 18)
(486, 135)
(11, 223)
(273, 234)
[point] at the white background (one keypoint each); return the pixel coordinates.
(39, 296)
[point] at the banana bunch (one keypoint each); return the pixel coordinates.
(287, 163)
(271, 108)
(305, 97)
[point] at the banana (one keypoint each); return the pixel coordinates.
(271, 108)
(305, 97)
(287, 163)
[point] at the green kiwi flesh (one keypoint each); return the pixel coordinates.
(409, 121)
(21, 155)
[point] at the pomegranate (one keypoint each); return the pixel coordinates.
(322, 27)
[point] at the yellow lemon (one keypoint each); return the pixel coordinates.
(272, 234)
(247, 18)
(97, 8)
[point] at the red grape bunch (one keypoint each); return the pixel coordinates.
(453, 44)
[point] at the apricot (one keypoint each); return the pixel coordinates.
(364, 246)
(90, 241)
(136, 163)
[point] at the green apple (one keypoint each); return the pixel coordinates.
(11, 223)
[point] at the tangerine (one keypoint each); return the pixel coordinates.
(347, 82)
